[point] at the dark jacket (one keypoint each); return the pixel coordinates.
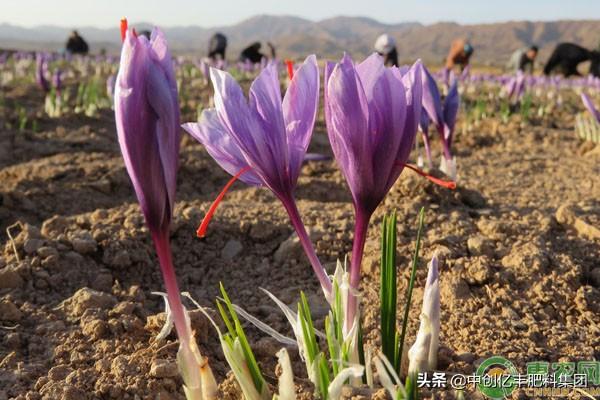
(567, 56)
(76, 45)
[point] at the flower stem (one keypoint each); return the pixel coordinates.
(163, 250)
(427, 146)
(445, 144)
(290, 206)
(188, 349)
(361, 226)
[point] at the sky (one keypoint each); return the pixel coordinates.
(106, 13)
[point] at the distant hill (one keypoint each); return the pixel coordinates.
(329, 38)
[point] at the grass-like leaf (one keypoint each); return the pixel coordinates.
(388, 290)
(235, 331)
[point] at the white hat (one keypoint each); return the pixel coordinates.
(384, 44)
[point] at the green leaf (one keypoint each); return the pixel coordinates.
(388, 289)
(308, 330)
(237, 332)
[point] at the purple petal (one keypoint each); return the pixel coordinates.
(241, 122)
(432, 102)
(220, 145)
(451, 105)
(347, 126)
(162, 98)
(138, 132)
(587, 102)
(389, 107)
(414, 99)
(265, 100)
(300, 111)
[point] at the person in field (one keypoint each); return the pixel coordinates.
(76, 45)
(385, 46)
(460, 53)
(567, 56)
(252, 53)
(523, 59)
(217, 46)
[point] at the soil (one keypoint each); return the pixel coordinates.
(518, 240)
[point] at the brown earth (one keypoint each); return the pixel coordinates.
(519, 277)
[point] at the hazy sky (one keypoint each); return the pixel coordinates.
(105, 13)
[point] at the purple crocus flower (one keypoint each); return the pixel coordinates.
(443, 116)
(57, 80)
(515, 87)
(41, 70)
(263, 141)
(372, 113)
(147, 119)
(587, 102)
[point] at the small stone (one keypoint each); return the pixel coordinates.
(103, 282)
(478, 270)
(291, 248)
(124, 307)
(84, 243)
(32, 245)
(509, 313)
(98, 216)
(54, 226)
(231, 250)
(47, 251)
(94, 329)
(479, 245)
(571, 215)
(163, 369)
(12, 341)
(59, 373)
(454, 288)
(10, 278)
(529, 256)
(120, 259)
(9, 311)
(472, 198)
(88, 298)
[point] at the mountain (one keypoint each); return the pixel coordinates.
(329, 38)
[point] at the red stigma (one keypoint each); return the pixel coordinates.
(201, 232)
(290, 68)
(447, 184)
(123, 29)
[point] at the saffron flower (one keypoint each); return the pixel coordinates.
(515, 87)
(443, 116)
(263, 141)
(57, 80)
(147, 119)
(41, 70)
(372, 113)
